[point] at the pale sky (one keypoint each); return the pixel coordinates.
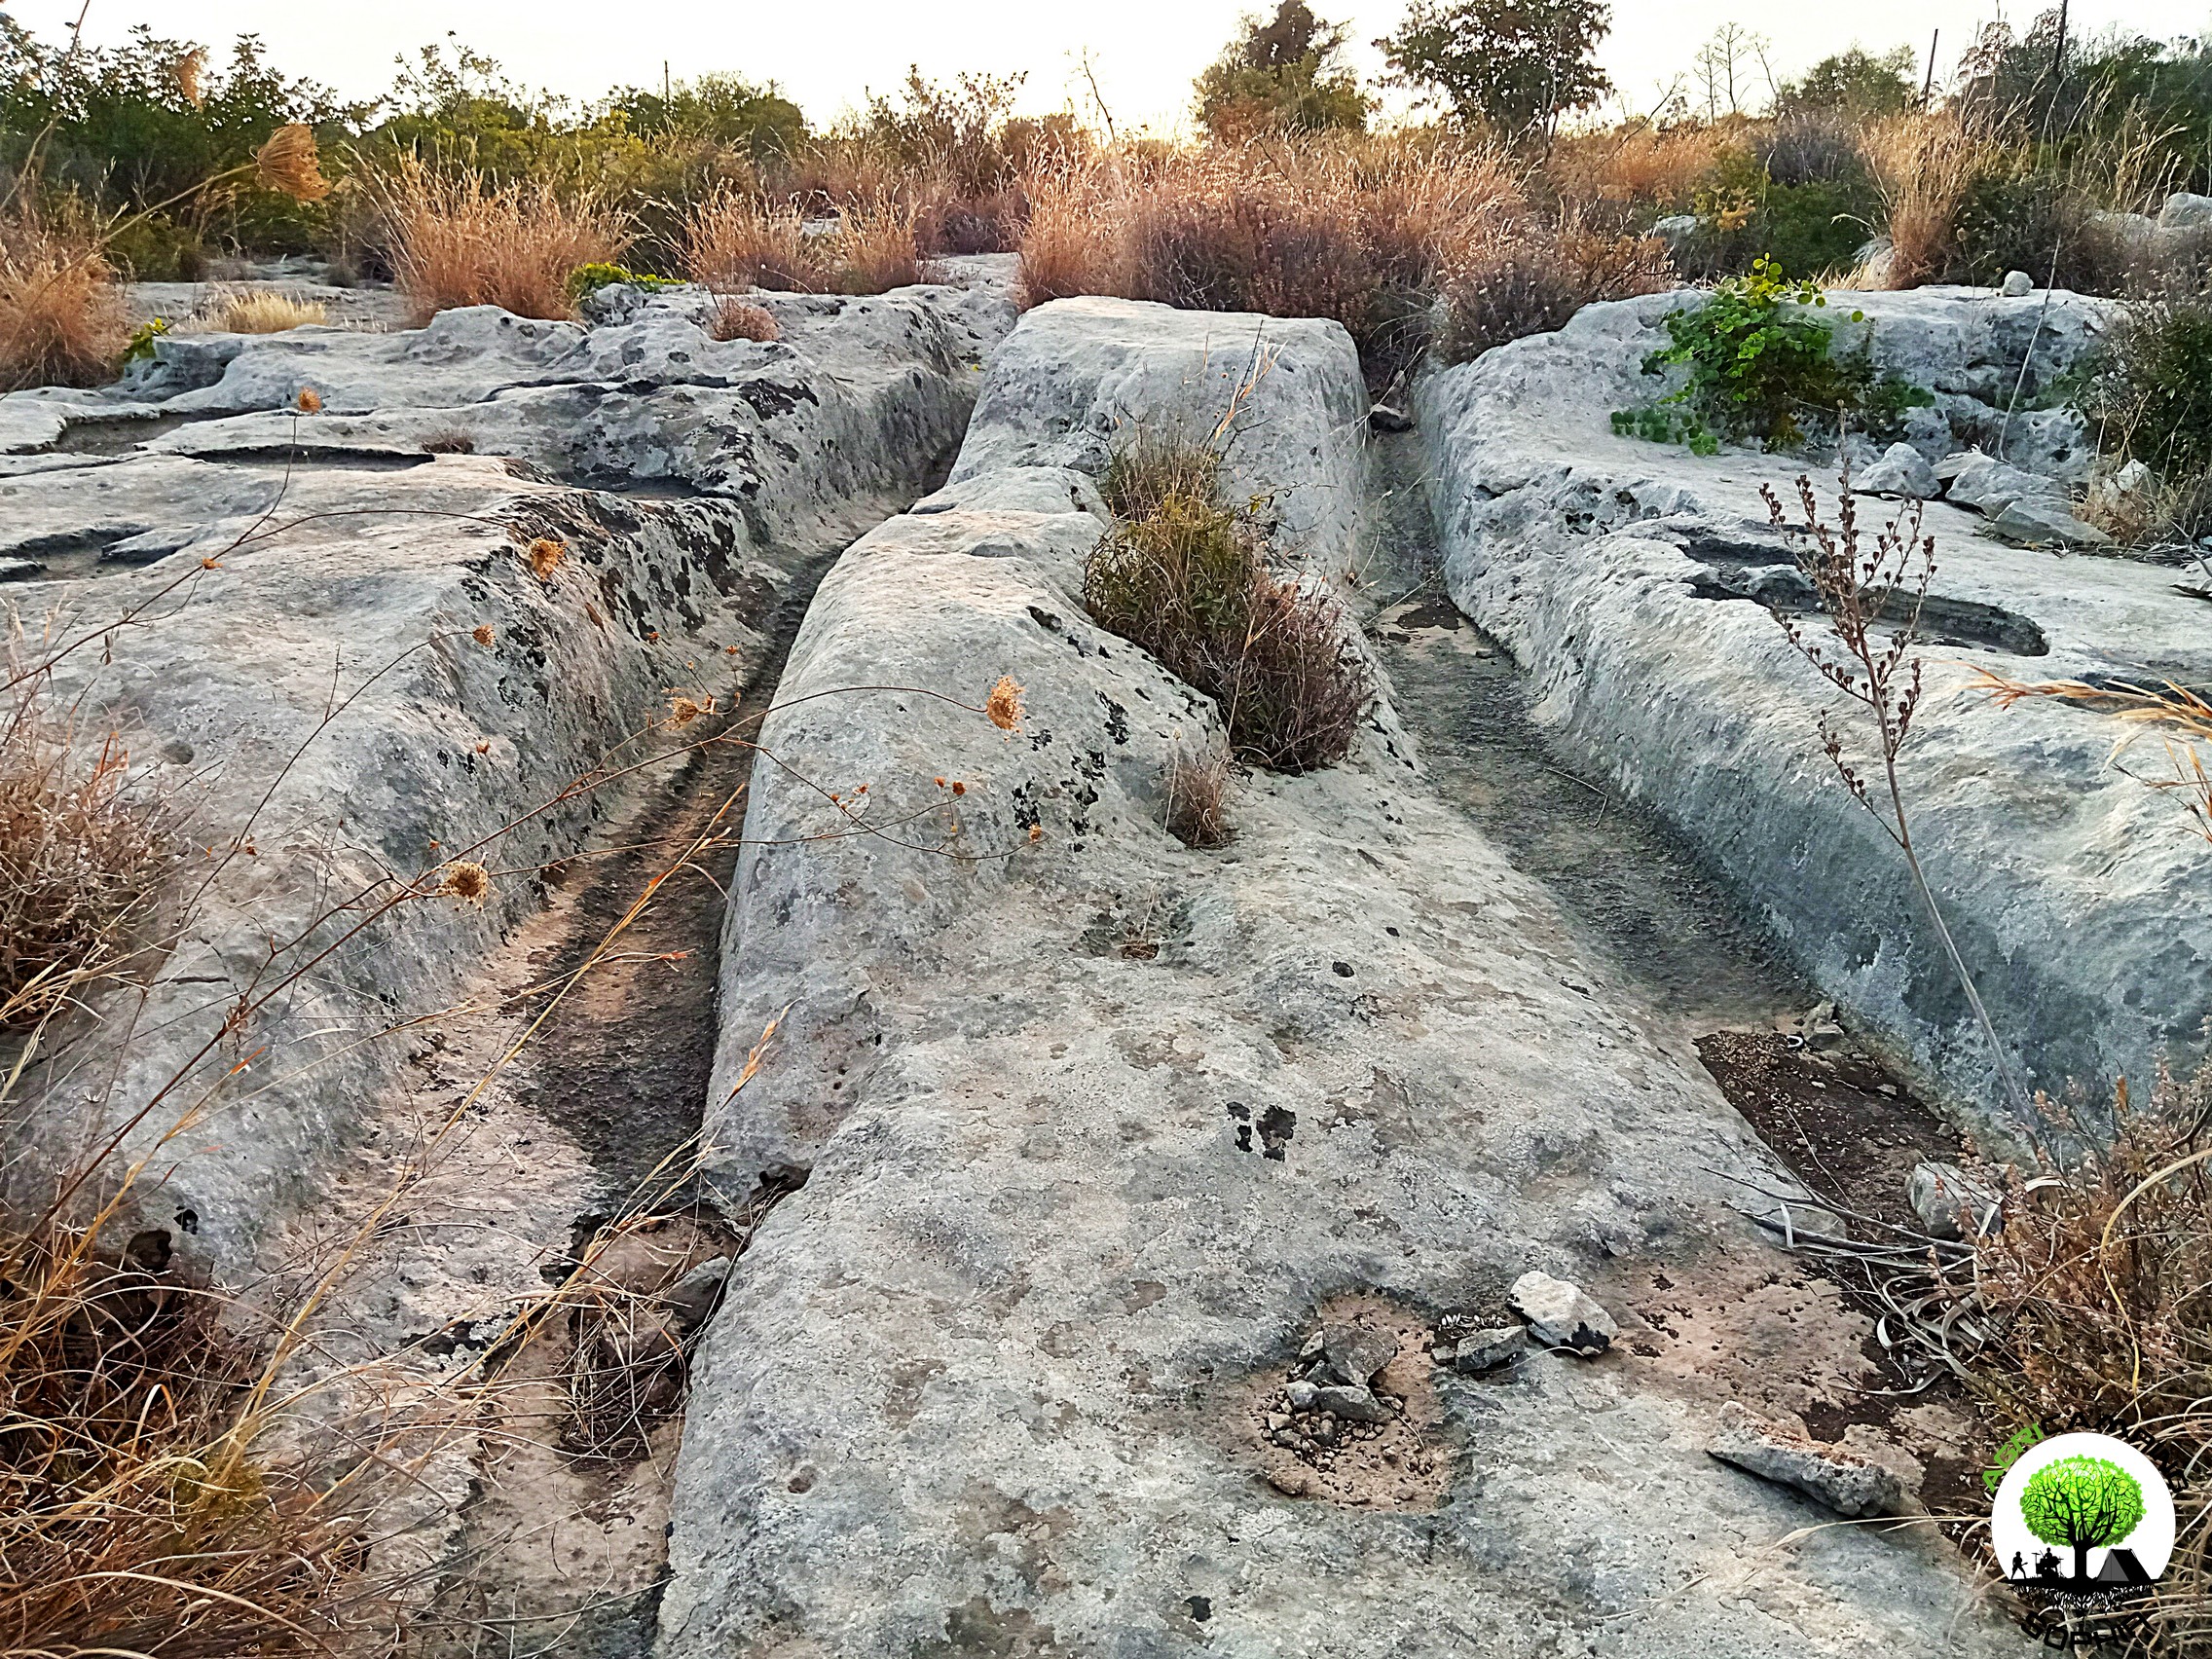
(827, 53)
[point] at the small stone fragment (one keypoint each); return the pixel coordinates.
(1942, 1195)
(691, 1299)
(1291, 1483)
(1902, 472)
(1356, 1403)
(1387, 418)
(2018, 285)
(1487, 1350)
(1561, 1317)
(2043, 523)
(1351, 1354)
(1300, 1393)
(1828, 1475)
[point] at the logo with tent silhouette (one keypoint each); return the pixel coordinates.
(2082, 1522)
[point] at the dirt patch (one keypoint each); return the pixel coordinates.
(1841, 1120)
(1308, 1451)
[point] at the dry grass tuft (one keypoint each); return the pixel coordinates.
(545, 555)
(263, 311)
(1924, 163)
(1198, 797)
(1187, 579)
(83, 846)
(137, 1514)
(1531, 283)
(62, 317)
(459, 240)
(733, 241)
(449, 440)
(741, 319)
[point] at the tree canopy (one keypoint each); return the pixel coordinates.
(1514, 66)
(1283, 72)
(1856, 84)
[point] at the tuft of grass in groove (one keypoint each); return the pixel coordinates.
(1186, 578)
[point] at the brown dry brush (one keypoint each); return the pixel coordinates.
(85, 843)
(2144, 710)
(1860, 587)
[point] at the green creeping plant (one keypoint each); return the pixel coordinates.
(1762, 367)
(587, 280)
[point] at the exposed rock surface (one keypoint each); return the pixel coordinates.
(1098, 1129)
(304, 670)
(1952, 1202)
(1632, 579)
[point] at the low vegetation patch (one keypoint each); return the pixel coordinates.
(586, 280)
(1186, 577)
(2148, 396)
(264, 311)
(61, 315)
(736, 241)
(83, 846)
(1760, 367)
(460, 239)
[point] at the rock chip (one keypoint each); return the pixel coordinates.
(1828, 1475)
(692, 1299)
(1388, 417)
(1990, 486)
(1941, 1194)
(1301, 1394)
(1351, 1354)
(2017, 286)
(2183, 212)
(2033, 522)
(1560, 1315)
(1487, 1350)
(1351, 1403)
(1902, 472)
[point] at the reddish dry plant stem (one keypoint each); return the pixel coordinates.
(1857, 588)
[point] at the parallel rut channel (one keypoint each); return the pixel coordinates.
(1702, 973)
(543, 1528)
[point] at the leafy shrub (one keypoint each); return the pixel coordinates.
(1186, 578)
(586, 280)
(1816, 221)
(2020, 218)
(2149, 393)
(1760, 366)
(157, 250)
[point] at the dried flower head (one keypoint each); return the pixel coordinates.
(545, 556)
(310, 400)
(1036, 832)
(683, 708)
(289, 165)
(482, 633)
(189, 69)
(465, 881)
(1004, 705)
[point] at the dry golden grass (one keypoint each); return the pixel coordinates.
(1924, 163)
(1356, 231)
(732, 240)
(83, 846)
(735, 241)
(263, 311)
(741, 319)
(1197, 798)
(1642, 163)
(458, 240)
(61, 316)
